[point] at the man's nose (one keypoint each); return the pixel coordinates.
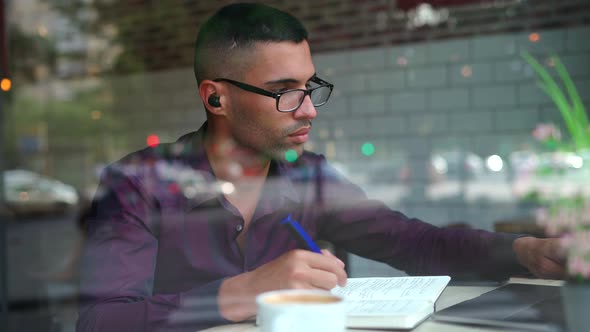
(306, 110)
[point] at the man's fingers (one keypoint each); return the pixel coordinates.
(551, 269)
(544, 257)
(323, 279)
(554, 260)
(329, 263)
(342, 277)
(329, 253)
(556, 252)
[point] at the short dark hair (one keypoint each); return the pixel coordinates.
(238, 27)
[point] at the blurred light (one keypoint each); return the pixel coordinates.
(330, 150)
(153, 141)
(368, 149)
(534, 37)
(174, 188)
(5, 84)
(495, 163)
(291, 156)
(466, 71)
(227, 188)
(23, 196)
(96, 115)
(234, 169)
(440, 164)
(42, 31)
(190, 192)
(92, 70)
(425, 14)
(575, 161)
(402, 61)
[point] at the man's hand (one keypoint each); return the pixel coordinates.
(543, 257)
(295, 269)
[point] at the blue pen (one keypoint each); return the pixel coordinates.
(302, 237)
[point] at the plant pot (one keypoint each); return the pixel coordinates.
(576, 302)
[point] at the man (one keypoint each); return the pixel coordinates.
(186, 235)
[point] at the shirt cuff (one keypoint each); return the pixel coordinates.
(503, 258)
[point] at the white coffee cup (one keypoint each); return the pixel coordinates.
(300, 310)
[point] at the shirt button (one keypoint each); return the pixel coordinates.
(239, 228)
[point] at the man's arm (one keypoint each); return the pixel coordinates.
(117, 273)
(118, 264)
(371, 229)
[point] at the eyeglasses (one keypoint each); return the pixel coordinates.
(290, 100)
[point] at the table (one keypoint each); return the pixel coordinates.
(451, 295)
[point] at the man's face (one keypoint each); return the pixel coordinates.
(253, 119)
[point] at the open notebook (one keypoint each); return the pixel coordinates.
(393, 303)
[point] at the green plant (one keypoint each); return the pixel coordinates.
(567, 218)
(565, 212)
(566, 98)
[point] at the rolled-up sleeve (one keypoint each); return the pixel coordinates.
(118, 268)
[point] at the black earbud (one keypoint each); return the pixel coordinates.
(214, 101)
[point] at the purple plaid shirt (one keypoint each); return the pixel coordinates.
(162, 237)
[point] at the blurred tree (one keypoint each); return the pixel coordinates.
(30, 55)
(79, 121)
(31, 58)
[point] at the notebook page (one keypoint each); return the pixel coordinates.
(418, 288)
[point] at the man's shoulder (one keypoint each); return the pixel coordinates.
(169, 150)
(181, 149)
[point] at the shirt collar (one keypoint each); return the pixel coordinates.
(279, 184)
(277, 187)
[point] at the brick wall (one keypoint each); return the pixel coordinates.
(428, 105)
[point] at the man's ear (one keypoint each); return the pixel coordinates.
(212, 95)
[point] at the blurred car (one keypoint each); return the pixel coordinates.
(442, 165)
(456, 165)
(29, 193)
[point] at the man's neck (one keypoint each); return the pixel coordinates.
(234, 163)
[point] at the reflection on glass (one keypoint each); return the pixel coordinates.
(91, 81)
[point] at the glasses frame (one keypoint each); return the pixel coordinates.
(277, 95)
